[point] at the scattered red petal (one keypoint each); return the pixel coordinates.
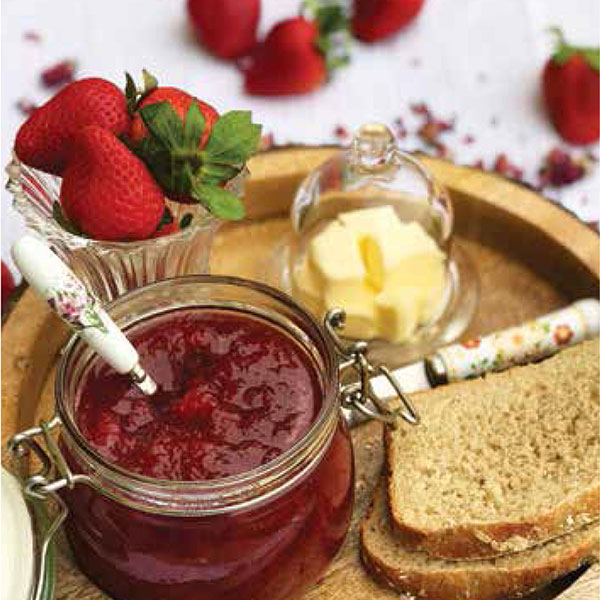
(478, 164)
(58, 74)
(267, 141)
(468, 139)
(433, 127)
(503, 166)
(32, 36)
(26, 106)
(340, 132)
(420, 108)
(560, 168)
(400, 129)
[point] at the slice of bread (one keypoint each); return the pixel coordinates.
(500, 464)
(419, 575)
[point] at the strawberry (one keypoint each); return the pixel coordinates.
(190, 150)
(227, 28)
(180, 102)
(107, 192)
(44, 140)
(298, 54)
(374, 20)
(571, 87)
(8, 286)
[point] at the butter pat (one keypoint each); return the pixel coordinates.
(387, 275)
(335, 257)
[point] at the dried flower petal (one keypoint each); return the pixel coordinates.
(340, 132)
(399, 128)
(58, 74)
(32, 36)
(267, 141)
(503, 166)
(26, 106)
(560, 168)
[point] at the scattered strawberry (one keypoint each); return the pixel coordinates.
(8, 286)
(374, 20)
(44, 140)
(191, 151)
(59, 74)
(298, 54)
(106, 191)
(560, 169)
(227, 28)
(571, 87)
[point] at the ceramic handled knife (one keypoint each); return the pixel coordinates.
(518, 345)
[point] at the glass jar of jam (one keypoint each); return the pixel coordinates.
(235, 480)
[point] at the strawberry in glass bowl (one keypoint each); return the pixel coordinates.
(130, 188)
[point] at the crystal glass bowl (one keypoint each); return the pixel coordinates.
(110, 269)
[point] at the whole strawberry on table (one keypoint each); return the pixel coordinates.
(122, 155)
(571, 88)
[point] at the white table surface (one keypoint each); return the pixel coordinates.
(457, 43)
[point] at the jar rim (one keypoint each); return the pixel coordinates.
(272, 469)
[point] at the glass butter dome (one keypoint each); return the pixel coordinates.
(372, 234)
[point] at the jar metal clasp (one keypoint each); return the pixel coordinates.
(359, 395)
(41, 485)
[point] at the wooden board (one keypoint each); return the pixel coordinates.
(532, 257)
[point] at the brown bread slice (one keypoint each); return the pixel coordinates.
(420, 575)
(500, 464)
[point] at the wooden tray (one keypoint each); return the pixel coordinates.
(531, 255)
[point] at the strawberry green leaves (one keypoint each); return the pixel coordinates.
(234, 139)
(187, 168)
(133, 94)
(564, 51)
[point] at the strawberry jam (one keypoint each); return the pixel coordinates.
(232, 395)
(234, 481)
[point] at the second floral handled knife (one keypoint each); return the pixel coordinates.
(518, 345)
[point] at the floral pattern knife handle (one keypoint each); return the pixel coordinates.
(518, 345)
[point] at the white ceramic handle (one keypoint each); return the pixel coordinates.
(522, 344)
(73, 303)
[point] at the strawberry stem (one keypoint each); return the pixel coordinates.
(564, 51)
(333, 24)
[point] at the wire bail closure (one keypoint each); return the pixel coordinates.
(359, 395)
(40, 485)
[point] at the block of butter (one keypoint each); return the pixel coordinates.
(389, 276)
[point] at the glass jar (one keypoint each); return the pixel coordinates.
(107, 268)
(268, 533)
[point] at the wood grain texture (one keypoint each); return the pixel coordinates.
(531, 256)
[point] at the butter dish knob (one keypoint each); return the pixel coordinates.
(372, 147)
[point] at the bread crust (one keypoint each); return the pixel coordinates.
(468, 582)
(474, 541)
(479, 540)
